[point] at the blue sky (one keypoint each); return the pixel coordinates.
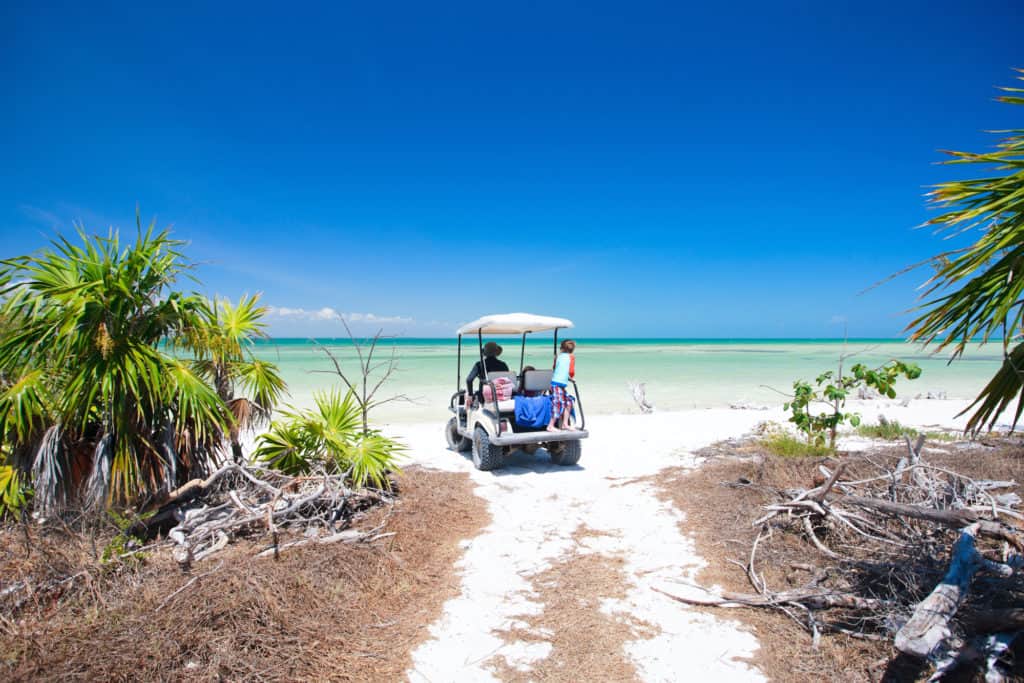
(647, 169)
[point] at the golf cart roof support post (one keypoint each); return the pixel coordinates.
(458, 368)
(483, 365)
(556, 343)
(579, 404)
(522, 354)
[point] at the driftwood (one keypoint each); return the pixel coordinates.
(809, 598)
(929, 625)
(639, 391)
(241, 499)
(903, 513)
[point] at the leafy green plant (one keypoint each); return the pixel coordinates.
(329, 437)
(224, 358)
(976, 291)
(106, 391)
(14, 495)
(889, 430)
(122, 546)
(786, 445)
(831, 390)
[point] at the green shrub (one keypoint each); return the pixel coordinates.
(123, 548)
(889, 430)
(115, 387)
(330, 437)
(940, 436)
(787, 445)
(830, 390)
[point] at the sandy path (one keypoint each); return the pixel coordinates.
(537, 511)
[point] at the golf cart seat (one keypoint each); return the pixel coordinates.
(508, 406)
(536, 380)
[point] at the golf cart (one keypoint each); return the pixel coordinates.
(486, 422)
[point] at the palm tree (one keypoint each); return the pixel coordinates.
(979, 290)
(223, 347)
(95, 408)
(330, 437)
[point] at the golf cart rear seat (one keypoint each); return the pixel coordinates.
(537, 381)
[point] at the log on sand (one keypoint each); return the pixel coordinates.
(929, 624)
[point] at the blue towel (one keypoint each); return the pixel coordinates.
(533, 411)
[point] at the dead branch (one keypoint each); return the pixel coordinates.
(639, 391)
(883, 537)
(929, 625)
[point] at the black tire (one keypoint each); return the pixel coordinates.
(567, 453)
(486, 456)
(456, 441)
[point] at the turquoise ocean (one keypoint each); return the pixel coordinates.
(679, 373)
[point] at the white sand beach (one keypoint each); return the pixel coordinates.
(537, 508)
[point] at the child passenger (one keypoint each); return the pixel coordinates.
(565, 369)
(522, 383)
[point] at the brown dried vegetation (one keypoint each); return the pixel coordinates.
(337, 612)
(724, 497)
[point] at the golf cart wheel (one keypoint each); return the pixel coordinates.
(486, 457)
(456, 441)
(567, 453)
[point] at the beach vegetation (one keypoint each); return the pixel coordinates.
(888, 430)
(330, 438)
(372, 374)
(830, 391)
(108, 373)
(787, 445)
(222, 346)
(976, 291)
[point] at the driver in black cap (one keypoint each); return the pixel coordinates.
(490, 362)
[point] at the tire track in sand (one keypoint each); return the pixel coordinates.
(517, 605)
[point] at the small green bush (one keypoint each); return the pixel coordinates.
(939, 436)
(890, 430)
(786, 445)
(331, 438)
(830, 390)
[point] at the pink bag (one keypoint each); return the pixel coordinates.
(503, 386)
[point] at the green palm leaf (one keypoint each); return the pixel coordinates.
(91, 403)
(977, 293)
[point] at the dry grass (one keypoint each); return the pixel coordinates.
(337, 612)
(719, 517)
(587, 643)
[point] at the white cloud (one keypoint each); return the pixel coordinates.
(41, 216)
(328, 313)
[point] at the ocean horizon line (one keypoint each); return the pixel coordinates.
(542, 337)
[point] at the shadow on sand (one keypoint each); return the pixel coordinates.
(520, 462)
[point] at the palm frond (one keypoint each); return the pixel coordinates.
(98, 487)
(248, 416)
(13, 492)
(977, 293)
(51, 472)
(999, 393)
(370, 460)
(262, 381)
(329, 437)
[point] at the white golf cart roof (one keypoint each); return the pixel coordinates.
(513, 323)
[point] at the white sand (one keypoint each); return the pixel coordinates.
(536, 507)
